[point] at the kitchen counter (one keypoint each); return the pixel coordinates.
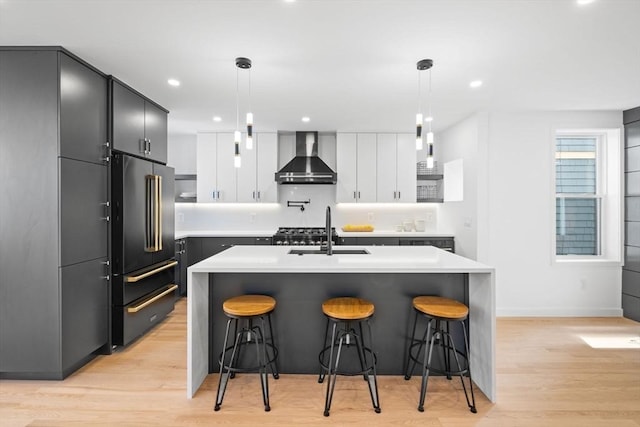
(391, 233)
(181, 234)
(224, 233)
(388, 276)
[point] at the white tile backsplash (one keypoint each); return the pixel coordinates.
(261, 216)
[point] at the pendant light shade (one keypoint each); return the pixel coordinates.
(424, 64)
(249, 131)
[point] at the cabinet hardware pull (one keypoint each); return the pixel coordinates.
(254, 196)
(137, 308)
(358, 194)
(354, 195)
(258, 195)
(399, 196)
(132, 279)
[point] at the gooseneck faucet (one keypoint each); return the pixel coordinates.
(329, 236)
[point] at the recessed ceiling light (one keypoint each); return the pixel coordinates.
(428, 119)
(289, 1)
(217, 118)
(173, 82)
(584, 2)
(476, 83)
(306, 119)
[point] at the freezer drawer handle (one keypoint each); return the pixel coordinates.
(132, 279)
(146, 303)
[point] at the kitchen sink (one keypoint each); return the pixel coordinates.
(324, 252)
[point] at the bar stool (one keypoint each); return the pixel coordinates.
(440, 311)
(341, 314)
(247, 309)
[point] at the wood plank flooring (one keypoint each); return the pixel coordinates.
(547, 376)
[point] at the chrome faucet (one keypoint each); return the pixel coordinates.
(328, 231)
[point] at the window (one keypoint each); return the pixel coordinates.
(577, 197)
(587, 194)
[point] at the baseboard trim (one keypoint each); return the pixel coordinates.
(559, 312)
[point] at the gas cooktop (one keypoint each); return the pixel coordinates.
(300, 236)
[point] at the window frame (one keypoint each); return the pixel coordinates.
(608, 169)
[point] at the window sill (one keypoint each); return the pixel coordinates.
(595, 261)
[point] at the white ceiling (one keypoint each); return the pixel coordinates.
(349, 65)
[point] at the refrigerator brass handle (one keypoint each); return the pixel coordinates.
(146, 303)
(158, 222)
(150, 214)
(168, 264)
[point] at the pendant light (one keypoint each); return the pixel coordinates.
(245, 64)
(424, 64)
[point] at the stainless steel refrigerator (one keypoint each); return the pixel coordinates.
(142, 241)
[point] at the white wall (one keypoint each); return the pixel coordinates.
(181, 153)
(508, 161)
(466, 140)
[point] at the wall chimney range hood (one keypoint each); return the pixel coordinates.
(306, 167)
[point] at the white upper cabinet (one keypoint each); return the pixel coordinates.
(256, 182)
(216, 173)
(356, 167)
(406, 176)
(396, 168)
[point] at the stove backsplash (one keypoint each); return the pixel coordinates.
(270, 216)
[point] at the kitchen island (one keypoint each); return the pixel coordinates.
(387, 276)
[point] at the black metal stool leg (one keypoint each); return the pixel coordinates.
(409, 371)
(373, 382)
(423, 341)
(234, 361)
(329, 394)
(425, 366)
(274, 364)
(324, 344)
(224, 376)
(446, 349)
(472, 405)
(261, 349)
(332, 382)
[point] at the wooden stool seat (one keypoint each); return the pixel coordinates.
(348, 308)
(443, 308)
(249, 305)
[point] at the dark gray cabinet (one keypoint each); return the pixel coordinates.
(631, 269)
(445, 243)
(194, 249)
(54, 293)
(139, 126)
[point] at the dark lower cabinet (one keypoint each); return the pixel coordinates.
(194, 249)
(445, 243)
(54, 287)
(85, 312)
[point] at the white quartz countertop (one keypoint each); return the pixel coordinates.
(381, 259)
(391, 233)
(225, 233)
(270, 232)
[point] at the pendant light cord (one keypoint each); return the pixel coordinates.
(419, 92)
(237, 100)
(430, 116)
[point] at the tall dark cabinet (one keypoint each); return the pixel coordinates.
(54, 272)
(631, 269)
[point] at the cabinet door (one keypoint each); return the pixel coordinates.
(346, 160)
(226, 172)
(83, 112)
(83, 225)
(85, 310)
(366, 167)
(127, 120)
(386, 169)
(155, 130)
(206, 185)
(267, 163)
(406, 168)
(246, 175)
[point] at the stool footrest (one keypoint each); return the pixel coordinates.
(366, 370)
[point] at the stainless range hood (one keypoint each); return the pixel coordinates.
(306, 167)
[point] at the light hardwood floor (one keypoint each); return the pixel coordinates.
(547, 376)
